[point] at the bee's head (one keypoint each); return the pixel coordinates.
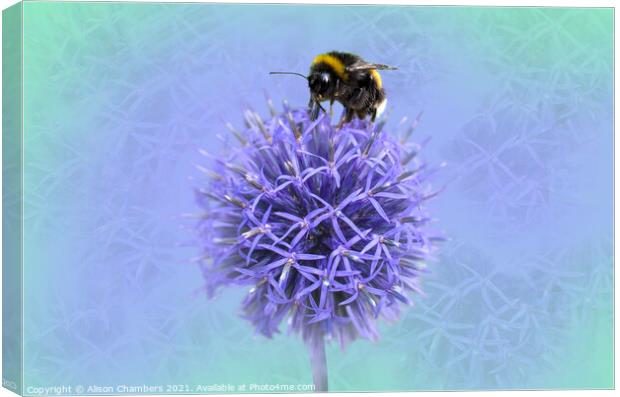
(321, 84)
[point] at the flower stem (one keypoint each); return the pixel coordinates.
(318, 361)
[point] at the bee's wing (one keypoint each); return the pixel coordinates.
(362, 66)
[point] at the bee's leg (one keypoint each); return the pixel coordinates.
(348, 116)
(331, 109)
(373, 115)
(340, 123)
(310, 107)
(313, 109)
(343, 115)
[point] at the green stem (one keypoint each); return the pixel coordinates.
(318, 361)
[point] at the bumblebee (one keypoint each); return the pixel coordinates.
(348, 79)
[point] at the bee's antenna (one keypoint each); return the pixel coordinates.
(297, 74)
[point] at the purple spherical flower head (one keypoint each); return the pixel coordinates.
(326, 226)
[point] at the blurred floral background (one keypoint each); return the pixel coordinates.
(516, 101)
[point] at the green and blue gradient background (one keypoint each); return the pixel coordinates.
(119, 97)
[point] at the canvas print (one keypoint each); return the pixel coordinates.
(254, 198)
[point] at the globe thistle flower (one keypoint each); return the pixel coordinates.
(326, 226)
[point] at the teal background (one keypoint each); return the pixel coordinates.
(119, 98)
(12, 204)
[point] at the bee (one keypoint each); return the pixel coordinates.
(348, 79)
